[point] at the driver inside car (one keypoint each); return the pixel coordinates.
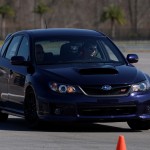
(89, 51)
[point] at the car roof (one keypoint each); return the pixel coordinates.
(61, 32)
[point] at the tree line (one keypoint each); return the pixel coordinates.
(119, 19)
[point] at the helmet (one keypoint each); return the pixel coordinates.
(90, 50)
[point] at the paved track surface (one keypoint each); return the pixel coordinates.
(14, 135)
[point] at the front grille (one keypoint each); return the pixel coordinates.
(116, 90)
(106, 110)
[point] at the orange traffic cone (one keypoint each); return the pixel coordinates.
(121, 145)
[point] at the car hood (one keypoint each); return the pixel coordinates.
(106, 74)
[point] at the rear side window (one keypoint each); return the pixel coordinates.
(51, 46)
(12, 48)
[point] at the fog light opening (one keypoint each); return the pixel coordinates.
(57, 111)
(148, 109)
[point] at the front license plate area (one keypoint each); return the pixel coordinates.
(107, 101)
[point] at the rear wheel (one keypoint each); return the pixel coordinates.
(3, 117)
(139, 125)
(30, 110)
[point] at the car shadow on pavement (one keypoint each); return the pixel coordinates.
(19, 124)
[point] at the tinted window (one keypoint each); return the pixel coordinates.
(110, 51)
(11, 51)
(24, 49)
(77, 50)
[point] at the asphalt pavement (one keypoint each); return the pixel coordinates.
(14, 135)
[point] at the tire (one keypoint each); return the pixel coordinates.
(3, 117)
(30, 110)
(139, 125)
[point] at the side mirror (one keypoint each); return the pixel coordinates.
(19, 60)
(132, 58)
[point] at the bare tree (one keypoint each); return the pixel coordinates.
(5, 11)
(77, 14)
(133, 14)
(138, 13)
(41, 9)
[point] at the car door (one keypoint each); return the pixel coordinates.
(9, 49)
(4, 74)
(17, 78)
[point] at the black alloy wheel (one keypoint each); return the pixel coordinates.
(30, 110)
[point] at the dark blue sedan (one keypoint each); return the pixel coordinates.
(71, 75)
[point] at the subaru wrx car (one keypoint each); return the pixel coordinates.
(74, 75)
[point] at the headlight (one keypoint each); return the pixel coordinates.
(63, 88)
(142, 86)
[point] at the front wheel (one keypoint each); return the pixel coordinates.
(138, 124)
(30, 110)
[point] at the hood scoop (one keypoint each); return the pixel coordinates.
(95, 71)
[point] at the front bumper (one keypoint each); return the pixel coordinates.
(94, 109)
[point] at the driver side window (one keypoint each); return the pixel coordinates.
(24, 49)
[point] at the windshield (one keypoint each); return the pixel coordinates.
(76, 50)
